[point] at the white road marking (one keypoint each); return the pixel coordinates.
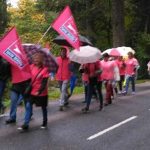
(4, 115)
(111, 128)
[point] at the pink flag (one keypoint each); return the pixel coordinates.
(11, 49)
(65, 25)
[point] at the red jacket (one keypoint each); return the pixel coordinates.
(63, 72)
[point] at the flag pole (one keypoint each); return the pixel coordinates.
(44, 34)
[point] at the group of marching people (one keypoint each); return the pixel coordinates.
(32, 83)
(112, 72)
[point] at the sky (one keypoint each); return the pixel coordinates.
(13, 2)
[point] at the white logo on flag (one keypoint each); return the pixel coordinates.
(16, 49)
(72, 29)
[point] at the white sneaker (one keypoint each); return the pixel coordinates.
(124, 92)
(120, 92)
(133, 93)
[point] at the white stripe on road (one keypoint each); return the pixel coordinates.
(110, 128)
(4, 115)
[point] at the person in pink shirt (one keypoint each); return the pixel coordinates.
(121, 65)
(39, 91)
(63, 77)
(108, 77)
(130, 72)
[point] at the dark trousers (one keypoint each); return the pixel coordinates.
(121, 82)
(90, 90)
(2, 88)
(85, 83)
(44, 112)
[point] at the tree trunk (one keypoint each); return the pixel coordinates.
(118, 22)
(3, 16)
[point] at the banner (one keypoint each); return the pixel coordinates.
(11, 49)
(65, 25)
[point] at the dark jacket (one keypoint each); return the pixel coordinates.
(4, 70)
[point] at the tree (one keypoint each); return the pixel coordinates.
(3, 16)
(118, 22)
(31, 23)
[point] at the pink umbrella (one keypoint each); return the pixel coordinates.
(115, 52)
(119, 51)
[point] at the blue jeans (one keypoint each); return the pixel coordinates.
(2, 88)
(73, 80)
(28, 113)
(20, 99)
(14, 96)
(132, 80)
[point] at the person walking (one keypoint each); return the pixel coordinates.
(131, 68)
(108, 77)
(63, 77)
(20, 80)
(92, 70)
(39, 91)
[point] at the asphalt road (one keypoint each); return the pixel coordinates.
(124, 125)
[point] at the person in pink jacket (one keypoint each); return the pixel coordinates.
(132, 66)
(63, 77)
(108, 77)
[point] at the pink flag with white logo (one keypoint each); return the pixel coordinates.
(65, 25)
(11, 49)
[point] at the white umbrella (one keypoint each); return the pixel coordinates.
(125, 50)
(87, 54)
(119, 51)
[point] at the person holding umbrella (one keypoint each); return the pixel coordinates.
(93, 71)
(63, 77)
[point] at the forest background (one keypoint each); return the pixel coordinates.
(107, 23)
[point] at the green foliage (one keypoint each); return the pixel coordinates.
(30, 22)
(54, 93)
(142, 52)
